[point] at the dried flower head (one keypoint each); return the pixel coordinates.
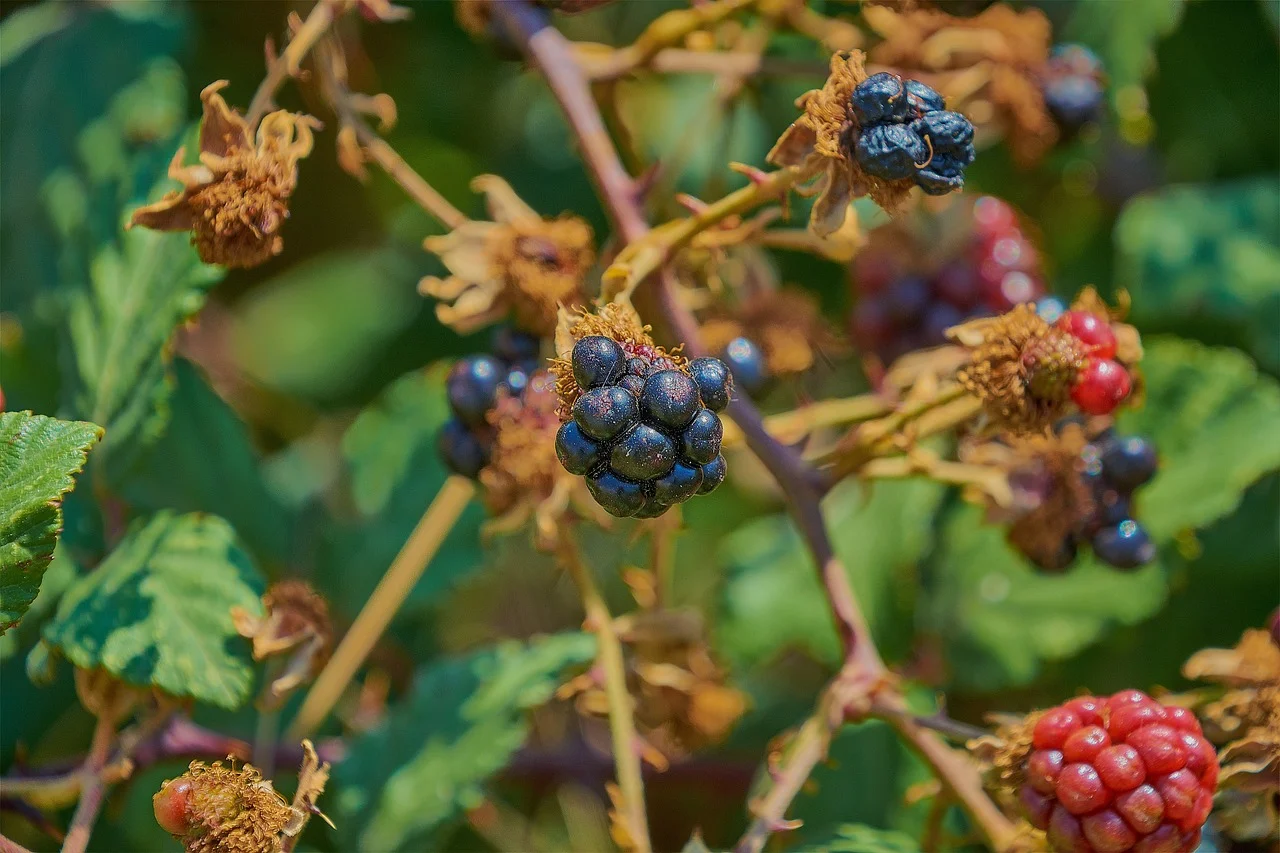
(235, 201)
(987, 66)
(1002, 755)
(786, 324)
(1246, 719)
(519, 263)
(819, 144)
(295, 622)
(1052, 501)
(1020, 367)
(217, 809)
(615, 320)
(682, 700)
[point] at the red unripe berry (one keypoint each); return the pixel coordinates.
(1179, 791)
(1107, 832)
(171, 803)
(1101, 386)
(1052, 730)
(1091, 330)
(1143, 809)
(1182, 718)
(1043, 768)
(1080, 789)
(1085, 743)
(1087, 708)
(1120, 767)
(1128, 697)
(1160, 747)
(1128, 718)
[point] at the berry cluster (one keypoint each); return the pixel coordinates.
(899, 310)
(1114, 468)
(1072, 86)
(1103, 383)
(908, 133)
(466, 440)
(643, 432)
(1119, 774)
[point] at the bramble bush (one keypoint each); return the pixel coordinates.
(815, 426)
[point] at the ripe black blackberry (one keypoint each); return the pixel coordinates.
(643, 429)
(472, 389)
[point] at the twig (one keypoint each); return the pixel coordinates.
(268, 729)
(666, 30)
(7, 846)
(286, 64)
(94, 789)
(622, 725)
(383, 604)
(931, 838)
(675, 60)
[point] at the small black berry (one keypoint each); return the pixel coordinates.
(652, 509)
(746, 363)
(1125, 546)
(907, 299)
(890, 151)
(642, 454)
(1112, 509)
(472, 387)
(700, 440)
(880, 98)
(679, 484)
(603, 413)
(461, 451)
(517, 380)
(713, 474)
(670, 399)
(633, 383)
(923, 99)
(714, 381)
(577, 453)
(618, 497)
(596, 361)
(1129, 463)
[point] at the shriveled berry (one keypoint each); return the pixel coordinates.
(880, 98)
(679, 484)
(890, 151)
(948, 132)
(1125, 546)
(1080, 789)
(945, 172)
(1054, 727)
(1129, 463)
(171, 804)
(1101, 386)
(603, 413)
(1120, 767)
(670, 399)
(1107, 832)
(923, 99)
(714, 381)
(642, 453)
(597, 361)
(1092, 331)
(1084, 744)
(460, 450)
(713, 474)
(747, 365)
(472, 387)
(617, 496)
(700, 441)
(577, 453)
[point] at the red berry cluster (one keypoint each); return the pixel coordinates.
(1103, 383)
(1119, 774)
(900, 309)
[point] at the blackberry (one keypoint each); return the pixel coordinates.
(713, 474)
(700, 440)
(472, 387)
(642, 454)
(1129, 463)
(880, 98)
(746, 362)
(634, 384)
(679, 484)
(890, 151)
(603, 413)
(618, 496)
(1072, 86)
(652, 509)
(1125, 546)
(577, 453)
(597, 361)
(462, 452)
(670, 399)
(945, 173)
(947, 133)
(714, 381)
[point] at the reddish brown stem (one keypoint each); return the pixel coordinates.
(91, 795)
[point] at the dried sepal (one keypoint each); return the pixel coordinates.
(820, 145)
(295, 622)
(1020, 367)
(236, 200)
(1002, 755)
(519, 264)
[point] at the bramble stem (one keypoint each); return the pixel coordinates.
(622, 725)
(383, 604)
(286, 64)
(94, 788)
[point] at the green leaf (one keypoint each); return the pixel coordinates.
(999, 618)
(773, 599)
(120, 324)
(39, 457)
(1205, 260)
(176, 472)
(157, 611)
(1213, 419)
(463, 721)
(858, 838)
(1124, 34)
(395, 472)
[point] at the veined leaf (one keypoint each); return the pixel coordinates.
(39, 457)
(465, 718)
(157, 611)
(773, 598)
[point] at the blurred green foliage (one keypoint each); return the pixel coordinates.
(295, 435)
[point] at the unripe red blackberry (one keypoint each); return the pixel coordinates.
(1124, 774)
